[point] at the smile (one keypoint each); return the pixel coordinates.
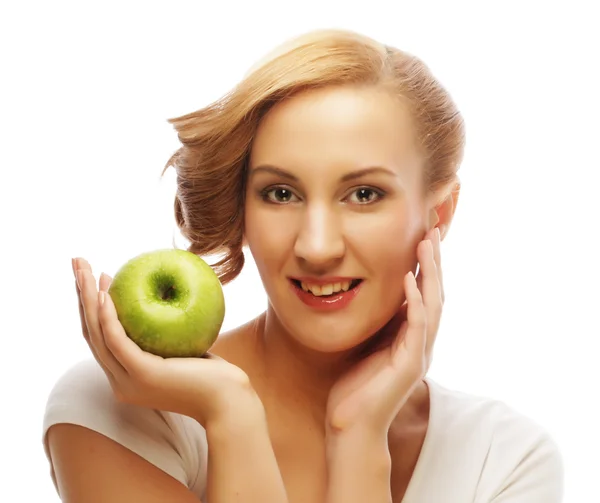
(328, 289)
(328, 297)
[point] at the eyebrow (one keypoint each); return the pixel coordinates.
(267, 168)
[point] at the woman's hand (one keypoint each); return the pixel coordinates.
(207, 389)
(372, 393)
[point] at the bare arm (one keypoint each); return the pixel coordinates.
(359, 466)
(91, 468)
(241, 462)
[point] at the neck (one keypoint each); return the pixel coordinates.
(294, 372)
(300, 379)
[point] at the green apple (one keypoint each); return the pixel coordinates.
(170, 302)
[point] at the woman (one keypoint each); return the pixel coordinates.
(335, 162)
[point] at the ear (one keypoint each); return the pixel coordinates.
(442, 212)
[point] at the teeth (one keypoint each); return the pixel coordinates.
(319, 290)
(326, 289)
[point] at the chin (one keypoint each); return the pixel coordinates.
(331, 335)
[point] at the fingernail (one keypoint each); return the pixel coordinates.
(442, 230)
(79, 278)
(101, 297)
(74, 265)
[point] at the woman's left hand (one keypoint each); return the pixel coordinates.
(372, 392)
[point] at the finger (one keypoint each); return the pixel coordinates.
(128, 354)
(431, 292)
(430, 235)
(415, 328)
(438, 258)
(420, 278)
(85, 332)
(84, 328)
(89, 297)
(430, 286)
(104, 282)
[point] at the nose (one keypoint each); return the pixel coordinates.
(320, 239)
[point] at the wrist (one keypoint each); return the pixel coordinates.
(240, 414)
(356, 433)
(356, 440)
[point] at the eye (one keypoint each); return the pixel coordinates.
(365, 195)
(278, 195)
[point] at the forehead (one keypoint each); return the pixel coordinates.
(349, 126)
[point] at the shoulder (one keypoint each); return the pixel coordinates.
(172, 442)
(488, 419)
(507, 451)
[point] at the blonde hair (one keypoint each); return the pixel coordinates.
(216, 140)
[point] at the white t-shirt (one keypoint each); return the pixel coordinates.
(476, 449)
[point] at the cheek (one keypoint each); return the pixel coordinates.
(268, 238)
(385, 244)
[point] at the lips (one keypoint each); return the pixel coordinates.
(331, 287)
(321, 299)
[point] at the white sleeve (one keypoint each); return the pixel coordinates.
(523, 463)
(537, 478)
(174, 443)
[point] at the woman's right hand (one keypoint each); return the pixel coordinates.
(208, 389)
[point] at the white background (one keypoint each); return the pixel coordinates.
(86, 89)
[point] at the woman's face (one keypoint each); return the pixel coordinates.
(335, 196)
